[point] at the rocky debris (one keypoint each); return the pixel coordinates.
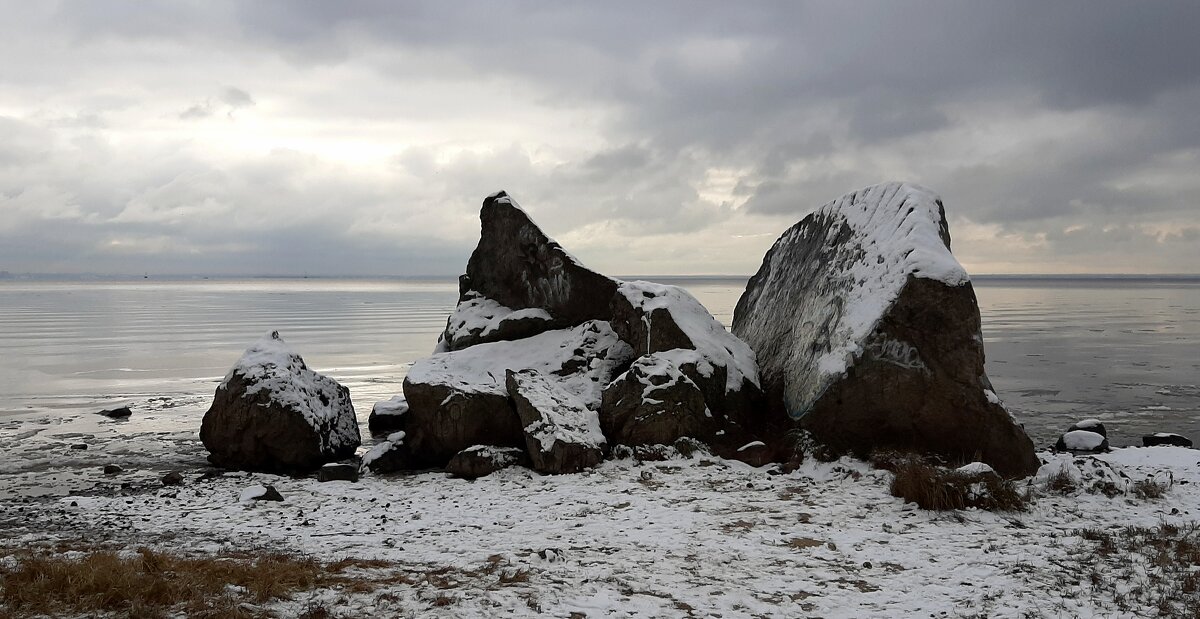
(517, 267)
(390, 456)
(1166, 438)
(387, 416)
(338, 471)
(112, 469)
(1091, 425)
(174, 478)
(1082, 441)
(866, 332)
(562, 435)
(260, 493)
(272, 413)
(459, 399)
(654, 402)
(116, 413)
(480, 460)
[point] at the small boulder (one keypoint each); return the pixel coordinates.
(390, 456)
(260, 493)
(116, 413)
(112, 469)
(1091, 425)
(867, 334)
(338, 471)
(480, 460)
(272, 413)
(387, 416)
(754, 453)
(561, 434)
(79, 446)
(1166, 438)
(1082, 441)
(174, 478)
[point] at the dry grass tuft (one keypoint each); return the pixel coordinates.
(935, 487)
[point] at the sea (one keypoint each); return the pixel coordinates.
(1124, 350)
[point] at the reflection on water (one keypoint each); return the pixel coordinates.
(1059, 350)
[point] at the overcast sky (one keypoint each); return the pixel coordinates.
(647, 137)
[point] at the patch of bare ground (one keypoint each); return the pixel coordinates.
(919, 480)
(151, 584)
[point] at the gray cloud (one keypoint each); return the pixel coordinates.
(699, 130)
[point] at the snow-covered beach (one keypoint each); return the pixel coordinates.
(698, 536)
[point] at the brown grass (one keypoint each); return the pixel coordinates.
(149, 584)
(935, 487)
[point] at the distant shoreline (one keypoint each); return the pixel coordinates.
(987, 277)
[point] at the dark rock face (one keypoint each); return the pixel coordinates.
(274, 414)
(1165, 438)
(116, 413)
(561, 434)
(517, 267)
(460, 399)
(654, 402)
(480, 460)
(867, 334)
(338, 471)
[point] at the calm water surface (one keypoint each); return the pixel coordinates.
(1124, 351)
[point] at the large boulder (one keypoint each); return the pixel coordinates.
(272, 413)
(562, 435)
(459, 399)
(867, 333)
(520, 282)
(654, 402)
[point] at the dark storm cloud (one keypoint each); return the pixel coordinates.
(1053, 122)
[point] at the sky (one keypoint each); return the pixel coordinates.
(359, 138)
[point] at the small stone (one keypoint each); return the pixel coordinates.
(647, 475)
(867, 564)
(338, 471)
(116, 413)
(79, 446)
(174, 478)
(112, 469)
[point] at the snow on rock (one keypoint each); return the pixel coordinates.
(459, 399)
(477, 319)
(562, 435)
(866, 331)
(259, 493)
(1083, 441)
(482, 460)
(387, 416)
(975, 468)
(1091, 425)
(389, 456)
(272, 413)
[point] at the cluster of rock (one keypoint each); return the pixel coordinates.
(546, 361)
(860, 332)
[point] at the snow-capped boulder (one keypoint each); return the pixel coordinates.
(654, 402)
(459, 399)
(867, 333)
(655, 318)
(562, 435)
(389, 456)
(520, 282)
(387, 416)
(1091, 425)
(1166, 438)
(338, 471)
(1082, 441)
(480, 460)
(272, 413)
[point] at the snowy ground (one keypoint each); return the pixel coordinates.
(698, 537)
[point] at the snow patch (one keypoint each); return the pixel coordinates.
(1082, 440)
